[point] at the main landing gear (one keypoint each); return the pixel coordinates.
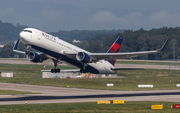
(83, 68)
(55, 65)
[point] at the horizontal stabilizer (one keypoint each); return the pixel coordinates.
(127, 68)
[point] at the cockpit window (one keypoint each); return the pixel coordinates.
(27, 31)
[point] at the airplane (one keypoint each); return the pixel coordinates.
(59, 51)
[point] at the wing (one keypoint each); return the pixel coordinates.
(110, 56)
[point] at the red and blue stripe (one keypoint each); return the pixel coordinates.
(115, 48)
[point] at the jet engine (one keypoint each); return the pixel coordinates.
(83, 57)
(33, 56)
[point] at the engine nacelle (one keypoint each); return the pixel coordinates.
(33, 56)
(83, 57)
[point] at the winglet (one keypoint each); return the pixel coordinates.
(15, 48)
(164, 45)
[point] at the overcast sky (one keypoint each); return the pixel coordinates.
(54, 15)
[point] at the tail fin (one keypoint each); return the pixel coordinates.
(115, 48)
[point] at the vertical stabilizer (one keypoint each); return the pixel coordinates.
(115, 48)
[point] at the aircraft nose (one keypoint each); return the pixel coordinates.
(21, 35)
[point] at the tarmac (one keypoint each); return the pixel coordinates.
(49, 62)
(142, 66)
(50, 94)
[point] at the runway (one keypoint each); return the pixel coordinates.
(49, 62)
(67, 95)
(143, 66)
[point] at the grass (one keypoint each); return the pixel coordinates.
(129, 80)
(12, 92)
(128, 107)
(31, 74)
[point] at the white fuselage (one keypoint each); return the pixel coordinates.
(55, 47)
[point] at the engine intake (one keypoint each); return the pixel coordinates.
(33, 56)
(83, 57)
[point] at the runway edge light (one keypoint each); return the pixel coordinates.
(175, 106)
(103, 102)
(157, 106)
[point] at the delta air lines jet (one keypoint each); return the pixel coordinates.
(59, 51)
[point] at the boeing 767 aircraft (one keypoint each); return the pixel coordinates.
(59, 51)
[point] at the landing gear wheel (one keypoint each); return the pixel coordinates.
(55, 70)
(52, 70)
(83, 68)
(58, 70)
(55, 65)
(82, 71)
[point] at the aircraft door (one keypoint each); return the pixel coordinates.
(30, 36)
(38, 36)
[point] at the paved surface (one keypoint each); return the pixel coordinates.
(66, 95)
(142, 66)
(49, 62)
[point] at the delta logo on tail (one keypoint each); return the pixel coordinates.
(115, 48)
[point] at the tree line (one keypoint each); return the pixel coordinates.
(101, 40)
(139, 40)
